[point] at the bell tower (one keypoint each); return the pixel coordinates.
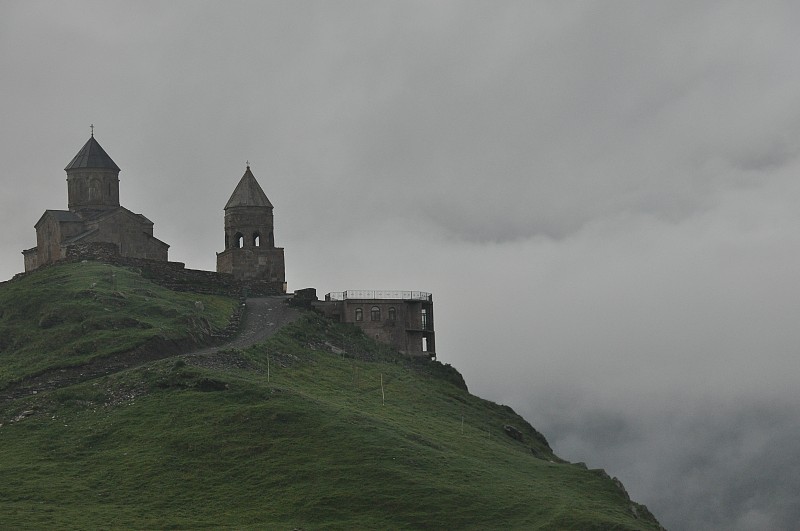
(248, 216)
(250, 252)
(92, 179)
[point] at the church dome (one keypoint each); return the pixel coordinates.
(92, 155)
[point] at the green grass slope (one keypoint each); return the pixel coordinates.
(317, 428)
(69, 314)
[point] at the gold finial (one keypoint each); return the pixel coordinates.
(91, 127)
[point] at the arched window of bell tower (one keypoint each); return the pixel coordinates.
(238, 240)
(256, 239)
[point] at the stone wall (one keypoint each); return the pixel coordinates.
(48, 238)
(172, 275)
(253, 263)
(101, 251)
(31, 259)
(131, 233)
(175, 276)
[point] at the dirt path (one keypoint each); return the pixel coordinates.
(263, 317)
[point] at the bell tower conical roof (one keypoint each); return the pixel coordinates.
(248, 193)
(92, 155)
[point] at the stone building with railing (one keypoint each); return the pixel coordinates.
(402, 319)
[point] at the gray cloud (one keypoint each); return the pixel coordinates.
(748, 481)
(602, 198)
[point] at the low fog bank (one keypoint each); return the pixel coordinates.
(699, 464)
(662, 351)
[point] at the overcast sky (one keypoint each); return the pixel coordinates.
(602, 197)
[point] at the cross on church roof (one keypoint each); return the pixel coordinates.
(91, 127)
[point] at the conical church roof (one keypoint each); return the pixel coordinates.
(248, 193)
(92, 155)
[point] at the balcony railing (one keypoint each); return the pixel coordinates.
(378, 294)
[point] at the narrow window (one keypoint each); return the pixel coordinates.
(256, 239)
(424, 344)
(392, 313)
(375, 314)
(359, 314)
(238, 242)
(94, 190)
(424, 318)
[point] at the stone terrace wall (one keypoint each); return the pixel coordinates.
(101, 251)
(175, 276)
(172, 275)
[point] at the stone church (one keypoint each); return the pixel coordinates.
(96, 227)
(94, 216)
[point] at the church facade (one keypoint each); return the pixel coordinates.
(94, 216)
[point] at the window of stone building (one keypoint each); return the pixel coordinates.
(392, 313)
(256, 239)
(238, 240)
(424, 318)
(94, 189)
(359, 314)
(375, 314)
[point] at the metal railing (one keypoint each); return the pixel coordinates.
(378, 294)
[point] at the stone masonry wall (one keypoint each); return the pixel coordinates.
(173, 275)
(253, 264)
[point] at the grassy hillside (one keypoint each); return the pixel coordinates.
(317, 428)
(67, 315)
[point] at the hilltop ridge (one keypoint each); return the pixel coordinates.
(318, 426)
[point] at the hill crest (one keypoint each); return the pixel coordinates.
(316, 427)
